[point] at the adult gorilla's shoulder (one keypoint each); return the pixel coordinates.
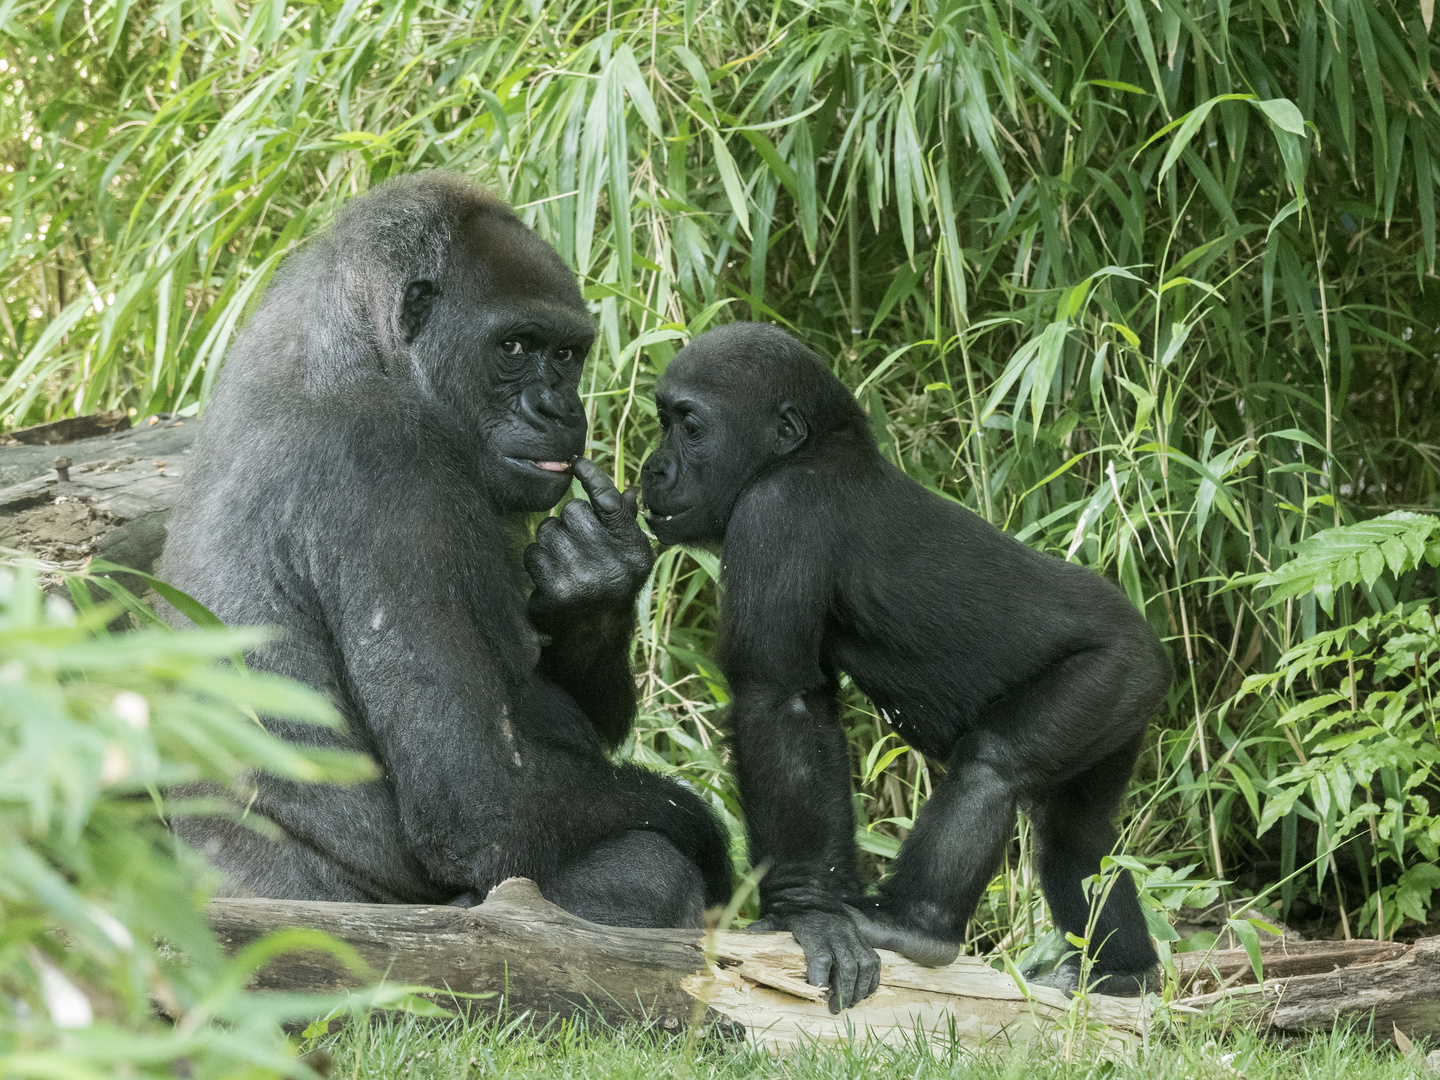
(404, 396)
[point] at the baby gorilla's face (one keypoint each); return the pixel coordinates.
(708, 450)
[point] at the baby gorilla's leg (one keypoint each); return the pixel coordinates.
(882, 930)
(944, 865)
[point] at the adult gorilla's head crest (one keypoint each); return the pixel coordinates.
(432, 293)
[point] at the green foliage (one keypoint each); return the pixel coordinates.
(1358, 705)
(1151, 285)
(99, 907)
(1352, 554)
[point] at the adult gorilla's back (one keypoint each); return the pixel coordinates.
(404, 396)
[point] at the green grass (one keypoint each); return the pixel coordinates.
(406, 1048)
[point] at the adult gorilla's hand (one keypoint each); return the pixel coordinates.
(592, 559)
(835, 954)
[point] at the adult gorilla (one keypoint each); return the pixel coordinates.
(404, 396)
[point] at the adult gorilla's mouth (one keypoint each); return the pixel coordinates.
(547, 466)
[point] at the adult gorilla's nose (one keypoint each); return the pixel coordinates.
(548, 406)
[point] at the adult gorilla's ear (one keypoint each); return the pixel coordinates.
(791, 431)
(415, 308)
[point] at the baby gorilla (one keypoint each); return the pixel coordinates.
(1031, 678)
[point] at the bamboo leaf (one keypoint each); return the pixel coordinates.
(730, 177)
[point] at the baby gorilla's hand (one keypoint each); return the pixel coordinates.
(835, 954)
(881, 927)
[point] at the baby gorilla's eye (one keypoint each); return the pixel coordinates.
(512, 348)
(564, 355)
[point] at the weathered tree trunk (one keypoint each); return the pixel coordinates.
(1399, 985)
(530, 955)
(107, 496)
(1202, 972)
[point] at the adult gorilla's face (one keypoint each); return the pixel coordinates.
(500, 339)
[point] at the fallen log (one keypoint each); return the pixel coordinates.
(107, 496)
(1202, 972)
(530, 955)
(1310, 986)
(70, 429)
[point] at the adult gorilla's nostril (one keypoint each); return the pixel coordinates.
(545, 405)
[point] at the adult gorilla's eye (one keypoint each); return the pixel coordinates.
(512, 348)
(692, 426)
(564, 355)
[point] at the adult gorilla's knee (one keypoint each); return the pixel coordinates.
(637, 879)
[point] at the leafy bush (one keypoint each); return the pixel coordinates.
(1358, 704)
(100, 918)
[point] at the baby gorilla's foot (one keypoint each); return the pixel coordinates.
(1065, 977)
(1128, 983)
(883, 928)
(1062, 977)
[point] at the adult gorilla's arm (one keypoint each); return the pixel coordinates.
(792, 763)
(494, 773)
(588, 566)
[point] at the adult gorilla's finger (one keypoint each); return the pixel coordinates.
(537, 562)
(818, 966)
(632, 502)
(557, 535)
(549, 562)
(579, 517)
(845, 984)
(611, 507)
(869, 977)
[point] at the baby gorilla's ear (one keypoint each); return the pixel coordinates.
(791, 431)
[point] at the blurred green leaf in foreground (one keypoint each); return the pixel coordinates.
(100, 908)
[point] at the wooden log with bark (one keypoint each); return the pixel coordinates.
(64, 499)
(1310, 985)
(531, 956)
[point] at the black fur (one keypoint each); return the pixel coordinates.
(362, 481)
(1030, 678)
